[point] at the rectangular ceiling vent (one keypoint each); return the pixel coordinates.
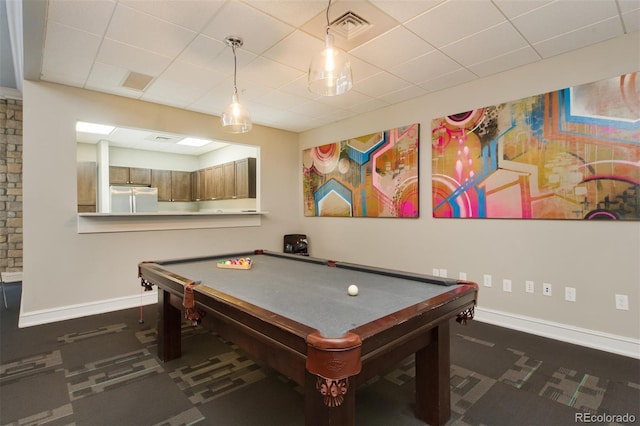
(350, 25)
(156, 137)
(137, 81)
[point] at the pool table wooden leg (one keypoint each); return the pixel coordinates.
(433, 395)
(317, 412)
(169, 328)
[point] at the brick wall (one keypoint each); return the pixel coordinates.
(10, 185)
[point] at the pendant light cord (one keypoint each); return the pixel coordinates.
(328, 7)
(235, 69)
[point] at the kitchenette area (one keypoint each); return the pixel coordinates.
(122, 188)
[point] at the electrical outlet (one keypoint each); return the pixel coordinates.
(506, 285)
(487, 280)
(443, 273)
(546, 289)
(622, 302)
(570, 294)
(462, 276)
(435, 272)
(529, 286)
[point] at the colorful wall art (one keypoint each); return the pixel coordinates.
(570, 154)
(374, 175)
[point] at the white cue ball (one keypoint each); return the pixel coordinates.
(352, 290)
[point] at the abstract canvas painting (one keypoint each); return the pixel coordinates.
(569, 154)
(375, 175)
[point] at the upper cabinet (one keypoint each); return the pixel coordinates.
(245, 177)
(87, 186)
(129, 176)
(172, 185)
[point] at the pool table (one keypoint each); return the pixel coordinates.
(294, 314)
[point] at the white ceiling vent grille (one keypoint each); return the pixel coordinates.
(137, 81)
(350, 25)
(156, 137)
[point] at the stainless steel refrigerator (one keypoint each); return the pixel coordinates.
(134, 199)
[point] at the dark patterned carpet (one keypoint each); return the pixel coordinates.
(102, 370)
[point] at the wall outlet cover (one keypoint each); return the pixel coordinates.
(546, 289)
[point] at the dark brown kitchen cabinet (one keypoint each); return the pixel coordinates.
(119, 175)
(87, 186)
(214, 182)
(161, 179)
(180, 186)
(246, 178)
(198, 192)
(172, 185)
(229, 172)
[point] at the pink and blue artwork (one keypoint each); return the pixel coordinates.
(375, 175)
(569, 154)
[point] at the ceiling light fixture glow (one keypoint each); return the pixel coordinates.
(235, 119)
(98, 129)
(194, 142)
(330, 69)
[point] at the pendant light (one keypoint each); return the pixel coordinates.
(235, 118)
(330, 69)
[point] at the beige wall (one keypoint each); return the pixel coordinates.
(598, 259)
(68, 274)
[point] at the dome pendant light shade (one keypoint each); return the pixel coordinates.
(235, 118)
(330, 71)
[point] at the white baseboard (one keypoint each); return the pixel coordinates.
(28, 319)
(579, 336)
(11, 277)
(589, 338)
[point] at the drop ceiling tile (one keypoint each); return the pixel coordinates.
(207, 52)
(403, 10)
(559, 17)
(346, 101)
(315, 109)
(147, 32)
(455, 78)
(513, 59)
(455, 19)
(381, 84)
(299, 87)
(108, 78)
(296, 50)
(280, 100)
(258, 30)
(69, 51)
(579, 38)
(368, 106)
(631, 21)
(495, 41)
(431, 65)
(403, 95)
(182, 81)
(193, 15)
(361, 70)
(511, 8)
(269, 73)
(295, 12)
(92, 17)
(399, 44)
(132, 58)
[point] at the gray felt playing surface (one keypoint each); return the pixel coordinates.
(309, 293)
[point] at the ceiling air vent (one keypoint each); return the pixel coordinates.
(137, 81)
(157, 137)
(350, 25)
